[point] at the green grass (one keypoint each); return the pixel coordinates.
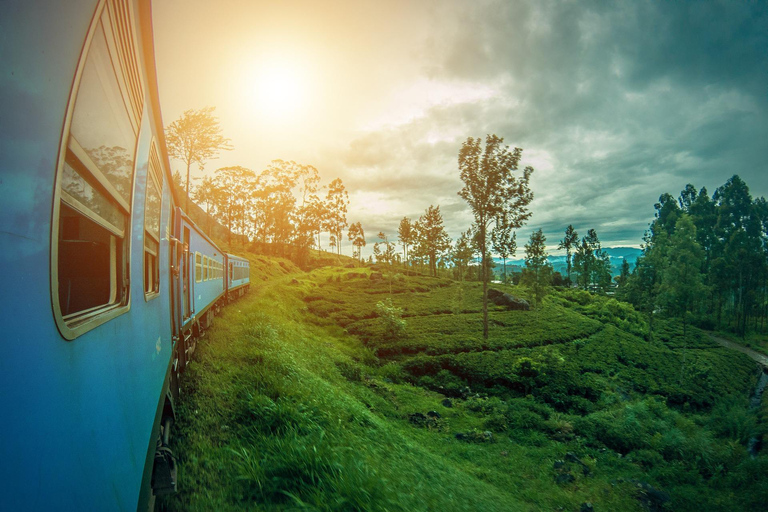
(296, 400)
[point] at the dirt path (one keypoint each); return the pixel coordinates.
(757, 356)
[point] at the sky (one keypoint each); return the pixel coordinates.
(613, 103)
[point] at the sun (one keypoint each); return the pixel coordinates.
(279, 90)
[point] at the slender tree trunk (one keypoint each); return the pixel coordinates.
(484, 273)
(186, 203)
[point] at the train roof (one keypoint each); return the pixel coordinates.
(235, 257)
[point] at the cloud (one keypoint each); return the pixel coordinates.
(621, 102)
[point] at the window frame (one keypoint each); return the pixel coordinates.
(116, 20)
(153, 175)
(198, 267)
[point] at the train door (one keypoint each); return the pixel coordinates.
(185, 273)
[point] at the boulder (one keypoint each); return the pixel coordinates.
(510, 302)
(417, 419)
(447, 403)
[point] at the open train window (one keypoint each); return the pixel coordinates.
(94, 187)
(152, 226)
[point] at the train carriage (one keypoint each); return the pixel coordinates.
(93, 258)
(238, 276)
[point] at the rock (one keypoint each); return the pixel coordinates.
(447, 403)
(417, 419)
(564, 478)
(433, 414)
(586, 507)
(377, 276)
(571, 457)
(504, 299)
(650, 498)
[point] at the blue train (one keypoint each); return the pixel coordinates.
(106, 283)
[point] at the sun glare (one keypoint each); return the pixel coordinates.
(279, 91)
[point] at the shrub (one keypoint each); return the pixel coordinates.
(391, 318)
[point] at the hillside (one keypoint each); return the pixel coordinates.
(302, 398)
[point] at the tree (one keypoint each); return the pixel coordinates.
(234, 187)
(504, 242)
(462, 254)
(407, 235)
(431, 236)
(195, 138)
(569, 242)
(493, 194)
(387, 254)
(356, 235)
(537, 274)
(336, 202)
(682, 286)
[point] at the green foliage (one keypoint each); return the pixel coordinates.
(391, 318)
(298, 400)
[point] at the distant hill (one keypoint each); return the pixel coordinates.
(616, 254)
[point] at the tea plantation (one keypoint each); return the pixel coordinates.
(360, 389)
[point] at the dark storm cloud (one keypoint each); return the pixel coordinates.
(623, 101)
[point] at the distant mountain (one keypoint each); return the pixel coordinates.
(617, 256)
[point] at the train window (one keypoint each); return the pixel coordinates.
(95, 179)
(152, 225)
(205, 268)
(198, 267)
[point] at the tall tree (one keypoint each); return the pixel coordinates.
(336, 202)
(537, 274)
(504, 242)
(432, 239)
(407, 235)
(569, 242)
(682, 285)
(356, 235)
(493, 194)
(195, 138)
(235, 185)
(462, 254)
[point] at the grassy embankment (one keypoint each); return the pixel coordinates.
(299, 400)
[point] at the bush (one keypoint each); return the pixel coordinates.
(391, 318)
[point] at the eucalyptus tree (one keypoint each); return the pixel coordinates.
(504, 242)
(462, 254)
(431, 237)
(569, 242)
(356, 235)
(407, 235)
(235, 185)
(195, 138)
(682, 284)
(336, 203)
(495, 196)
(537, 274)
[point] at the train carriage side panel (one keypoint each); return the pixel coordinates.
(79, 385)
(206, 272)
(238, 276)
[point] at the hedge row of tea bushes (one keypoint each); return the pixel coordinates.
(582, 372)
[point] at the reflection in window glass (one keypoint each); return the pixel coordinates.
(152, 210)
(198, 267)
(100, 122)
(77, 187)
